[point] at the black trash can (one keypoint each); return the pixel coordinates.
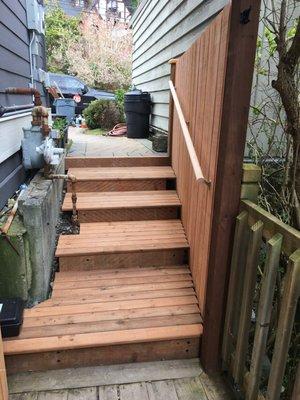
(137, 109)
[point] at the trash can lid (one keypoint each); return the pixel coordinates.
(64, 102)
(137, 95)
(134, 92)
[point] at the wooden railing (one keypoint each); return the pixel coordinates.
(3, 379)
(261, 244)
(187, 138)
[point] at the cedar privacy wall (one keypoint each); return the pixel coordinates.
(15, 71)
(165, 29)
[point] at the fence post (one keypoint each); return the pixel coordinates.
(236, 99)
(250, 182)
(3, 379)
(172, 62)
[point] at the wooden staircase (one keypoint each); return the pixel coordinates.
(124, 292)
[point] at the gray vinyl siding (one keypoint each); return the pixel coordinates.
(15, 71)
(14, 51)
(162, 30)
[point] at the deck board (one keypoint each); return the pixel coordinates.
(122, 237)
(122, 173)
(122, 200)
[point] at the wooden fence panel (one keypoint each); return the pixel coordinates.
(258, 303)
(199, 82)
(264, 314)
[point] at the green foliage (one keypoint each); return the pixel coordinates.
(120, 95)
(60, 30)
(102, 114)
(135, 3)
(60, 124)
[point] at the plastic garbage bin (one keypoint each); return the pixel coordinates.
(65, 108)
(137, 109)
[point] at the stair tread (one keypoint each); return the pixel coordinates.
(124, 236)
(78, 276)
(101, 321)
(114, 200)
(98, 339)
(122, 173)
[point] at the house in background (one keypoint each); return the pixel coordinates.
(22, 57)
(118, 10)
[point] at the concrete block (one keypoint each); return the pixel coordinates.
(15, 270)
(39, 206)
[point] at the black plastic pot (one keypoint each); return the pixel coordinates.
(137, 109)
(11, 316)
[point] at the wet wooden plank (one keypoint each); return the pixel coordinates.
(190, 389)
(83, 394)
(162, 390)
(53, 395)
(108, 393)
(135, 391)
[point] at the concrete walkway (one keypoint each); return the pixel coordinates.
(84, 145)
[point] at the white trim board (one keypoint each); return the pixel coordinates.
(11, 134)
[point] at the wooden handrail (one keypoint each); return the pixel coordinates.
(187, 137)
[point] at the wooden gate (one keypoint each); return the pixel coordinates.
(260, 241)
(210, 87)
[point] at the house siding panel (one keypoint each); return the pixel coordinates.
(163, 30)
(15, 71)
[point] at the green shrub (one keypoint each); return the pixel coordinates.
(120, 96)
(102, 114)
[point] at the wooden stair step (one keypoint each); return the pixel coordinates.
(118, 206)
(123, 200)
(57, 334)
(128, 296)
(79, 277)
(123, 237)
(98, 339)
(121, 178)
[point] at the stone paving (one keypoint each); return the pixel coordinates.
(84, 145)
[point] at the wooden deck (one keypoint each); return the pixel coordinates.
(176, 380)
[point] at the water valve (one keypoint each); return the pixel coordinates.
(49, 151)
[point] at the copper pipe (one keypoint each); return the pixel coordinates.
(70, 178)
(19, 90)
(39, 113)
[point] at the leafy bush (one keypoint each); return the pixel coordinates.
(120, 95)
(102, 114)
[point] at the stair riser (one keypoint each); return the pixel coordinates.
(108, 355)
(98, 162)
(124, 260)
(131, 214)
(120, 185)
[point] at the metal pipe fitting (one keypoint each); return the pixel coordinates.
(9, 109)
(72, 179)
(26, 91)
